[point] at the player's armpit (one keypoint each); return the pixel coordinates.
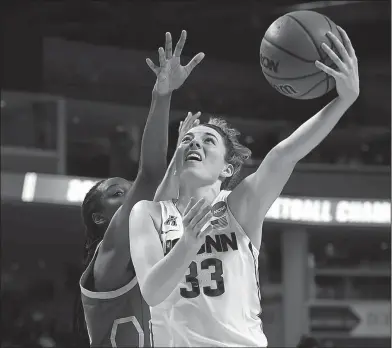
(250, 201)
(168, 188)
(145, 245)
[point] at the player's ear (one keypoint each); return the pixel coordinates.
(98, 218)
(227, 171)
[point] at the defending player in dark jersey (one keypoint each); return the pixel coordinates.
(114, 310)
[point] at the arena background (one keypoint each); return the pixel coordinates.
(75, 96)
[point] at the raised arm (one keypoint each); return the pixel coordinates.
(168, 189)
(153, 269)
(113, 256)
(252, 198)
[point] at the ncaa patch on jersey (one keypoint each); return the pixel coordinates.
(219, 209)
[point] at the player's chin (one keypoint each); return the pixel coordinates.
(194, 172)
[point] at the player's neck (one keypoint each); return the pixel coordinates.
(208, 192)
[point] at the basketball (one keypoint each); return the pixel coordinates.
(289, 50)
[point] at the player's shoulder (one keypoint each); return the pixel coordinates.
(147, 208)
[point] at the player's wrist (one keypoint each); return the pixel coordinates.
(156, 92)
(190, 245)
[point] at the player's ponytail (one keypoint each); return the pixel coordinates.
(93, 235)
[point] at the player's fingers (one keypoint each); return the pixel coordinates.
(179, 128)
(162, 59)
(168, 46)
(189, 206)
(326, 69)
(193, 211)
(196, 123)
(202, 222)
(151, 65)
(339, 45)
(186, 125)
(188, 117)
(190, 120)
(347, 43)
(194, 62)
(180, 44)
(196, 117)
(204, 233)
(200, 215)
(334, 58)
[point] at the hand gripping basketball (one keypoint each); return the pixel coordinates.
(346, 77)
(194, 220)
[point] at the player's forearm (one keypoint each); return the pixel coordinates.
(312, 132)
(166, 274)
(168, 188)
(155, 138)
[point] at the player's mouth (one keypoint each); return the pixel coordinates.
(193, 156)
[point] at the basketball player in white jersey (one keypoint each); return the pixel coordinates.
(210, 278)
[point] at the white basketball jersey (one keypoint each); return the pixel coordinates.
(217, 304)
(160, 335)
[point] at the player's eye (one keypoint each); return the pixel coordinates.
(186, 139)
(210, 140)
(118, 194)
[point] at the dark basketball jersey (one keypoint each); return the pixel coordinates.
(118, 318)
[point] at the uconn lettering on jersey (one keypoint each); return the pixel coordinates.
(219, 243)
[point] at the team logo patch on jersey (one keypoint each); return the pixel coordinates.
(219, 209)
(171, 221)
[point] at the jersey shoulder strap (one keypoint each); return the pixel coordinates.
(86, 279)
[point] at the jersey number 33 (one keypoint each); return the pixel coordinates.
(214, 290)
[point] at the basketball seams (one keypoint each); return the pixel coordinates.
(318, 51)
(316, 85)
(293, 78)
(331, 45)
(308, 33)
(316, 81)
(288, 52)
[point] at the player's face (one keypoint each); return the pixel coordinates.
(113, 195)
(202, 155)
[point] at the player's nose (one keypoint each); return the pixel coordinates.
(195, 144)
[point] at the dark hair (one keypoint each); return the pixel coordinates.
(94, 234)
(236, 153)
(307, 342)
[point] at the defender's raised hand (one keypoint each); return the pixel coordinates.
(191, 120)
(346, 77)
(170, 73)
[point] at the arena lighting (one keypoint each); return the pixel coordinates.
(56, 189)
(314, 5)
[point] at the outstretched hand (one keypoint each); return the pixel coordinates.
(346, 77)
(170, 73)
(191, 120)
